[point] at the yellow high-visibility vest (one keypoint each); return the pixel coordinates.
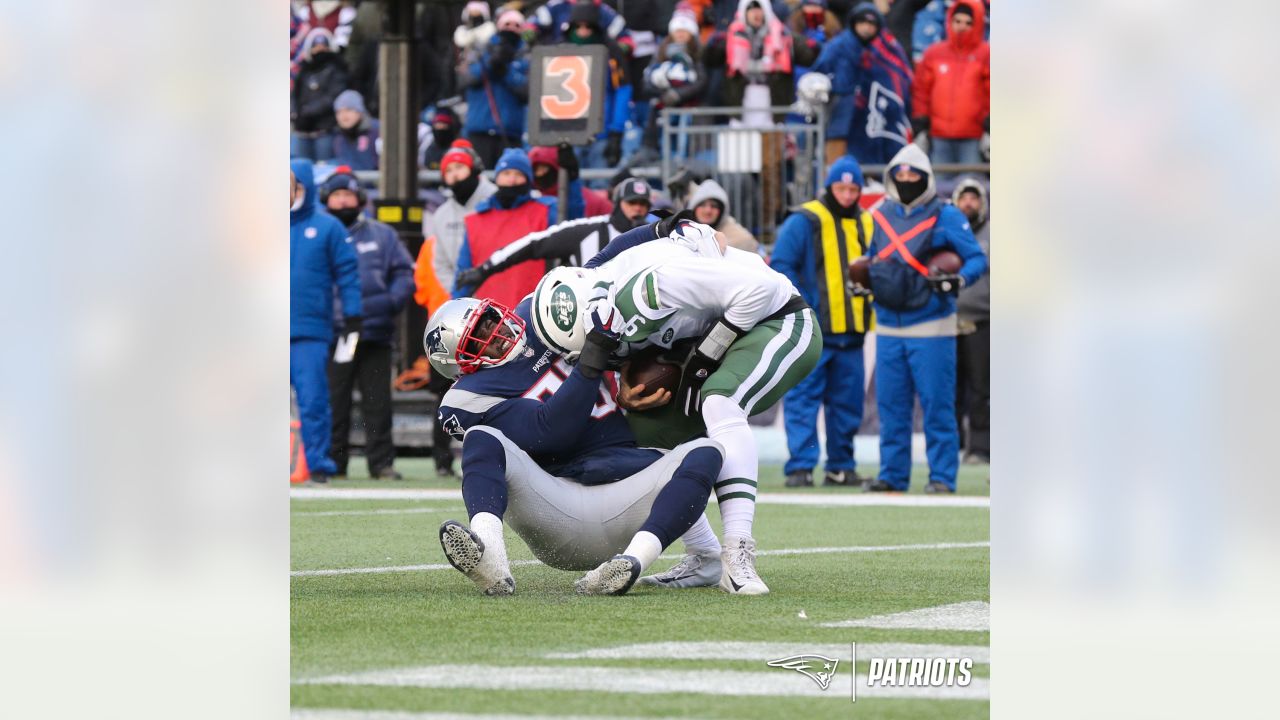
(835, 246)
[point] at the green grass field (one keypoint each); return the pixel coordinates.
(422, 640)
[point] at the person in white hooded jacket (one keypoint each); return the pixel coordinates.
(710, 205)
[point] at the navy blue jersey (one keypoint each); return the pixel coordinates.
(570, 425)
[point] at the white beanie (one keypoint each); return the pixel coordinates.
(475, 7)
(682, 20)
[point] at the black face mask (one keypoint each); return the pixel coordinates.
(444, 138)
(507, 196)
(348, 215)
(464, 189)
(838, 210)
(546, 182)
(909, 191)
(475, 21)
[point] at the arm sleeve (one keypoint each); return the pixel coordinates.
(428, 290)
(517, 79)
(400, 269)
(625, 241)
(922, 88)
(557, 241)
(539, 427)
(959, 237)
(464, 263)
(346, 272)
(789, 252)
(577, 204)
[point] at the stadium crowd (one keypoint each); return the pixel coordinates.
(901, 78)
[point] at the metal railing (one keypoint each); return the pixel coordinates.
(764, 167)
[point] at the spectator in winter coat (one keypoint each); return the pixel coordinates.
(445, 125)
(495, 82)
(386, 283)
(760, 51)
(322, 76)
(553, 23)
(813, 21)
(973, 341)
(587, 27)
(900, 20)
(320, 257)
(916, 320)
(710, 205)
(510, 214)
(871, 88)
(952, 95)
(477, 28)
(356, 143)
(546, 180)
(443, 230)
(815, 245)
(676, 78)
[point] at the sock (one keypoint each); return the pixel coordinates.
(489, 528)
(701, 539)
(736, 486)
(644, 547)
(684, 498)
(484, 474)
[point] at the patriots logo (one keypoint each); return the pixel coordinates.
(817, 668)
(452, 426)
(434, 343)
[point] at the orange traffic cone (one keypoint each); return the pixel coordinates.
(298, 472)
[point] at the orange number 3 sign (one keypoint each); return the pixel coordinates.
(568, 76)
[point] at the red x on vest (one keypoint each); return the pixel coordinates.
(899, 244)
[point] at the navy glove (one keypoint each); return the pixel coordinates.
(946, 284)
(613, 149)
(665, 226)
(568, 160)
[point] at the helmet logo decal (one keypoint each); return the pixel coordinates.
(434, 343)
(564, 308)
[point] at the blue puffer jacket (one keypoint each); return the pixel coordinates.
(386, 279)
(510, 92)
(320, 256)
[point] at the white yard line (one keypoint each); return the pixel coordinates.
(811, 500)
(765, 651)
(778, 682)
(336, 714)
(404, 511)
(956, 616)
(782, 551)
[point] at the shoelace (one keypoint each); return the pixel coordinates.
(741, 559)
(688, 563)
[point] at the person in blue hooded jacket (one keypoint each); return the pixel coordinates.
(815, 246)
(320, 257)
(386, 284)
(871, 89)
(494, 79)
(916, 321)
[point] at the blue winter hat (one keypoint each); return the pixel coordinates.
(844, 169)
(514, 159)
(350, 100)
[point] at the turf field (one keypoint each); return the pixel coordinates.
(380, 622)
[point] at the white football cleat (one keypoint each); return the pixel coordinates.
(615, 576)
(692, 571)
(465, 551)
(739, 576)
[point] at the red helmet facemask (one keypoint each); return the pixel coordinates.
(475, 339)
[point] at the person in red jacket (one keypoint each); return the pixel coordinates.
(952, 93)
(508, 215)
(546, 180)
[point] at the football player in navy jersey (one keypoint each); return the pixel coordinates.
(546, 450)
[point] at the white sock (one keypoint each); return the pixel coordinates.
(736, 486)
(644, 547)
(488, 527)
(701, 539)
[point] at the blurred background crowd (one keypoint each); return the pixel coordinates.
(739, 110)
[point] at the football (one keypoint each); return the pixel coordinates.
(860, 271)
(646, 369)
(944, 262)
